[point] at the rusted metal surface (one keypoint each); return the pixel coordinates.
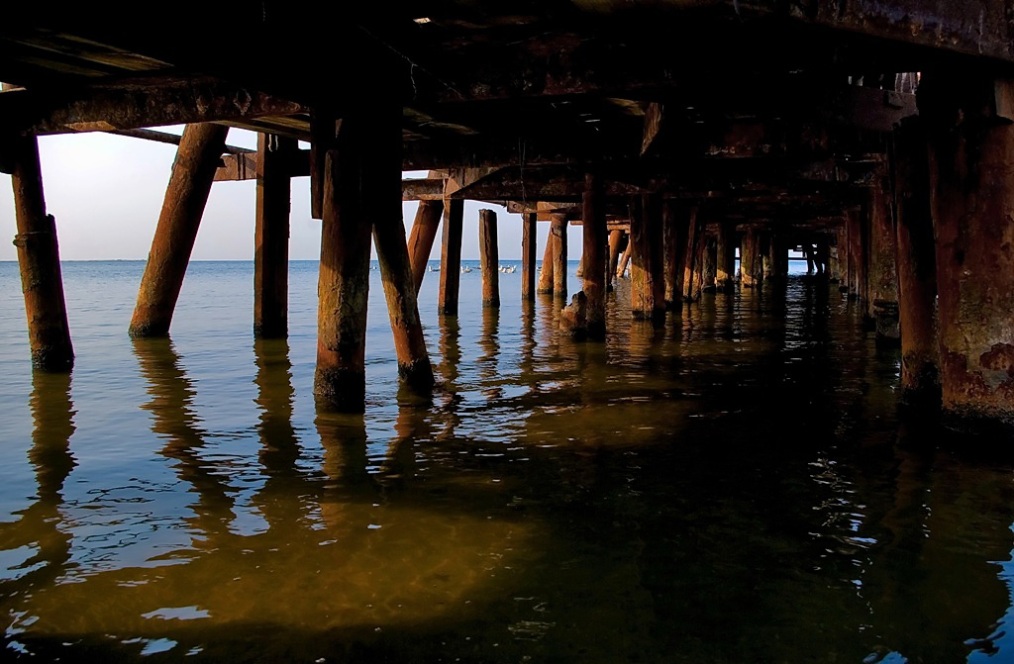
(709, 267)
(647, 290)
(671, 255)
(528, 256)
(558, 241)
(271, 237)
(594, 256)
(917, 287)
(185, 198)
(339, 381)
(39, 263)
(424, 233)
(489, 258)
(450, 257)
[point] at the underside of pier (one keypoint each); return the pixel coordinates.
(874, 136)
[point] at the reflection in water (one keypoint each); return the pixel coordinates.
(37, 539)
(735, 487)
(175, 421)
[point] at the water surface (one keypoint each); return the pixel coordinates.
(735, 487)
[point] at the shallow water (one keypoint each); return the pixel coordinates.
(736, 487)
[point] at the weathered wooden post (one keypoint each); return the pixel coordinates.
(450, 257)
(193, 172)
(625, 258)
(558, 237)
(857, 255)
(615, 242)
(710, 267)
(546, 270)
(647, 289)
(271, 236)
(691, 251)
(972, 185)
(671, 255)
(39, 262)
(917, 283)
(381, 185)
(749, 258)
(343, 287)
(420, 241)
(528, 255)
(489, 259)
(882, 306)
(725, 255)
(594, 230)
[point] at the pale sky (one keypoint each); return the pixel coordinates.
(106, 192)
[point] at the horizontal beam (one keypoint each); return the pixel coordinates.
(135, 105)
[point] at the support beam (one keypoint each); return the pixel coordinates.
(647, 290)
(558, 237)
(339, 382)
(883, 271)
(917, 282)
(709, 267)
(424, 233)
(625, 258)
(615, 242)
(749, 258)
(593, 214)
(528, 255)
(725, 255)
(39, 262)
(690, 236)
(186, 196)
(450, 257)
(972, 185)
(489, 259)
(857, 255)
(381, 186)
(271, 237)
(546, 270)
(671, 255)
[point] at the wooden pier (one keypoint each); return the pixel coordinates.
(874, 136)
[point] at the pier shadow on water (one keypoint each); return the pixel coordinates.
(735, 486)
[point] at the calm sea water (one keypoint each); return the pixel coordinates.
(736, 487)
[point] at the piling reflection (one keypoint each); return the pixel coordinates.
(38, 538)
(174, 419)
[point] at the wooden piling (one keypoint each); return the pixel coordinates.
(690, 254)
(709, 267)
(749, 259)
(625, 258)
(647, 289)
(528, 255)
(343, 287)
(917, 284)
(450, 257)
(856, 257)
(271, 237)
(193, 172)
(670, 255)
(558, 235)
(420, 242)
(615, 242)
(489, 259)
(725, 255)
(972, 185)
(883, 271)
(39, 262)
(546, 269)
(381, 183)
(594, 230)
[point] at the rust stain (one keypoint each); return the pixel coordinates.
(999, 358)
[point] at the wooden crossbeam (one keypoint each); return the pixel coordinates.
(137, 104)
